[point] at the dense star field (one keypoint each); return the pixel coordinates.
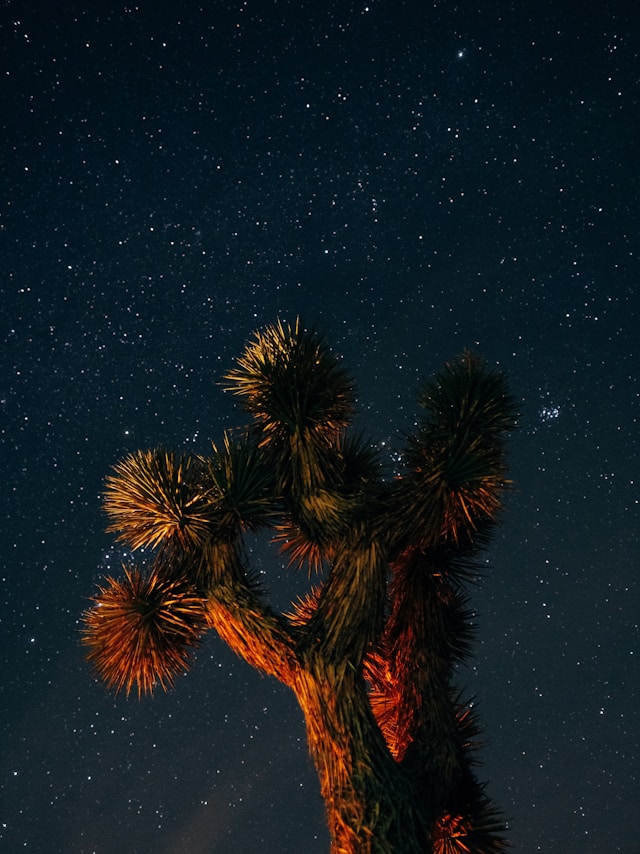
(414, 178)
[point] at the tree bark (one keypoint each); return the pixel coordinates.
(370, 801)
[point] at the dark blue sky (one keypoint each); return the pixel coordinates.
(416, 177)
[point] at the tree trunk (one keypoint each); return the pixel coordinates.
(370, 802)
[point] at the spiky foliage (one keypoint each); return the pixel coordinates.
(371, 653)
(143, 628)
(291, 381)
(304, 607)
(456, 467)
(240, 486)
(308, 534)
(158, 497)
(316, 524)
(474, 827)
(428, 729)
(300, 397)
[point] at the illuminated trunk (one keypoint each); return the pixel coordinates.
(370, 802)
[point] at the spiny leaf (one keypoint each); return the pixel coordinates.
(242, 484)
(158, 497)
(290, 381)
(142, 629)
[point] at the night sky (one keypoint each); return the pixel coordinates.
(414, 177)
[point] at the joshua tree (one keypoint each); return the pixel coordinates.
(371, 651)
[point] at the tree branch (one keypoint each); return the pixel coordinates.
(242, 619)
(350, 607)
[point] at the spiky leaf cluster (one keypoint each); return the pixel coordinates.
(158, 497)
(300, 397)
(143, 628)
(240, 486)
(321, 512)
(456, 469)
(301, 400)
(475, 830)
(308, 533)
(319, 518)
